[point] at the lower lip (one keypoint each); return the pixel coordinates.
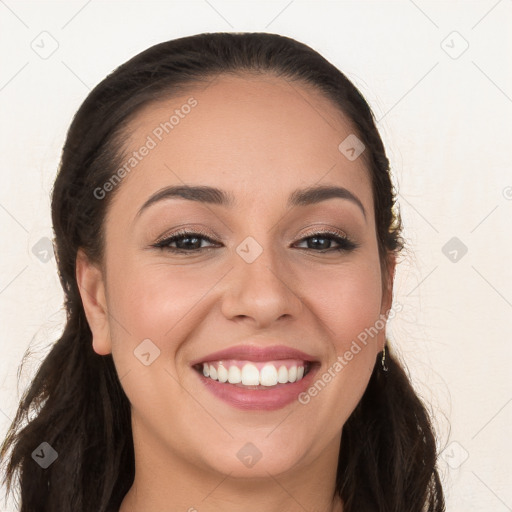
(273, 398)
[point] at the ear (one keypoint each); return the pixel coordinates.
(91, 284)
(387, 283)
(387, 290)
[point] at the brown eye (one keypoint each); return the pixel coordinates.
(321, 242)
(190, 242)
(186, 241)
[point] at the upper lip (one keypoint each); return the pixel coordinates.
(256, 353)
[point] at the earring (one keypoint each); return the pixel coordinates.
(383, 360)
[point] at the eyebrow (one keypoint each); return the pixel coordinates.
(212, 195)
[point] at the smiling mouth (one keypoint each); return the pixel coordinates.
(255, 375)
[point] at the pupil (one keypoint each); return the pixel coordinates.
(186, 241)
(315, 241)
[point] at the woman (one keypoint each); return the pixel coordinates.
(226, 238)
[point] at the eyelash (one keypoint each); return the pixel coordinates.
(345, 244)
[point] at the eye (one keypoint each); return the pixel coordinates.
(191, 242)
(321, 242)
(186, 241)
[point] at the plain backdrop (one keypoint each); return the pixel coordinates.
(438, 78)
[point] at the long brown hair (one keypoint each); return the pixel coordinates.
(75, 403)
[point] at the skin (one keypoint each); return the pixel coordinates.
(260, 139)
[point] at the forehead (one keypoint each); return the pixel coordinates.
(258, 136)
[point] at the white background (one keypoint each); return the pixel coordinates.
(445, 120)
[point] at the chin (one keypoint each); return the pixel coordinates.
(255, 458)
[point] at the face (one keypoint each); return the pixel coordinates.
(255, 272)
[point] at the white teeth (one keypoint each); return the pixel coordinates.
(234, 375)
(222, 373)
(249, 375)
(282, 375)
(268, 376)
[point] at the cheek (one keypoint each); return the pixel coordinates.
(155, 301)
(159, 303)
(347, 299)
(170, 305)
(347, 305)
(150, 301)
(349, 310)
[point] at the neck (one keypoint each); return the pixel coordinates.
(167, 481)
(229, 496)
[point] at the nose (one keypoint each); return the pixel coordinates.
(262, 291)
